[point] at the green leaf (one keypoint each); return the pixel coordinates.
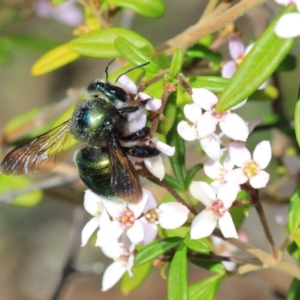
(191, 174)
(173, 183)
(181, 231)
(215, 84)
(205, 289)
(297, 238)
(288, 64)
(201, 51)
(135, 55)
(294, 291)
(176, 63)
(147, 8)
(263, 59)
(54, 59)
(212, 266)
(140, 273)
(5, 51)
(294, 250)
(297, 118)
(270, 92)
(202, 245)
(294, 210)
(170, 112)
(57, 2)
(156, 249)
(101, 43)
(178, 159)
(177, 279)
(9, 184)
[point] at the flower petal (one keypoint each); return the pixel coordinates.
(186, 131)
(150, 231)
(236, 176)
(262, 154)
(260, 180)
(138, 208)
(192, 112)
(151, 202)
(153, 104)
(88, 230)
(213, 169)
(128, 84)
(206, 124)
(114, 208)
(227, 226)
(172, 215)
(113, 274)
(136, 232)
(93, 203)
(203, 225)
(202, 192)
(239, 154)
(288, 26)
(229, 69)
(236, 48)
(204, 98)
(234, 127)
(165, 148)
(109, 233)
(156, 166)
(114, 249)
(211, 146)
(227, 193)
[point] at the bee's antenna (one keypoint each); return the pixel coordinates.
(106, 69)
(133, 68)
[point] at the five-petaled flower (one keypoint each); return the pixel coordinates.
(216, 212)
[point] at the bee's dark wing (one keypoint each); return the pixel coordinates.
(35, 154)
(125, 181)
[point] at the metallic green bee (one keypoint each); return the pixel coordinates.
(100, 122)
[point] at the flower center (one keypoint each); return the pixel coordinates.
(220, 115)
(127, 219)
(251, 169)
(218, 209)
(151, 216)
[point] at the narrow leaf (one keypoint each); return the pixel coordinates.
(54, 59)
(135, 55)
(100, 43)
(212, 266)
(177, 279)
(215, 84)
(156, 249)
(176, 63)
(191, 173)
(263, 59)
(206, 289)
(148, 8)
(139, 274)
(297, 118)
(294, 291)
(202, 245)
(294, 210)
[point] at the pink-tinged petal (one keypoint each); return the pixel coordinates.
(236, 176)
(150, 231)
(203, 225)
(156, 166)
(206, 124)
(138, 208)
(114, 249)
(68, 13)
(204, 98)
(192, 112)
(264, 85)
(228, 162)
(239, 105)
(88, 230)
(115, 209)
(113, 274)
(260, 180)
(186, 131)
(211, 146)
(153, 104)
(228, 69)
(104, 219)
(227, 193)
(262, 154)
(234, 127)
(136, 232)
(202, 192)
(253, 123)
(249, 48)
(239, 154)
(236, 48)
(165, 148)
(109, 233)
(137, 120)
(128, 84)
(213, 169)
(229, 265)
(288, 26)
(172, 215)
(227, 226)
(151, 202)
(93, 203)
(216, 185)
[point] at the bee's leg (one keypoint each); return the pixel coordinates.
(138, 135)
(141, 151)
(131, 109)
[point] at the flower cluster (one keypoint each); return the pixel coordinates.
(225, 149)
(137, 224)
(288, 26)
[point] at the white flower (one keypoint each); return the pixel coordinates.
(216, 211)
(252, 169)
(288, 26)
(93, 204)
(123, 254)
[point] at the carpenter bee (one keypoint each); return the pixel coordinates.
(100, 122)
